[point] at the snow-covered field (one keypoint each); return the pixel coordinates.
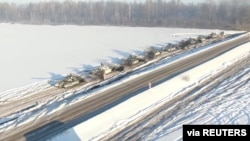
(46, 106)
(227, 103)
(32, 55)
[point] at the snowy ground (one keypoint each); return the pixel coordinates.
(45, 55)
(228, 103)
(34, 53)
(47, 106)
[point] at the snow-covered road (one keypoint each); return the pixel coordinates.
(215, 101)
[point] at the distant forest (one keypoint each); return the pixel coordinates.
(228, 14)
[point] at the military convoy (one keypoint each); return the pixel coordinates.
(100, 72)
(106, 69)
(212, 35)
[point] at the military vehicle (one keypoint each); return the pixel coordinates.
(152, 53)
(131, 60)
(212, 35)
(222, 34)
(201, 38)
(117, 68)
(69, 81)
(105, 68)
(191, 41)
(170, 47)
(141, 58)
(101, 71)
(183, 44)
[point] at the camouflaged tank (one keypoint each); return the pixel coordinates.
(69, 81)
(152, 53)
(212, 35)
(131, 60)
(201, 38)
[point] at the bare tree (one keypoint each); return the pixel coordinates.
(230, 14)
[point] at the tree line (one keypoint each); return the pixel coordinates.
(230, 14)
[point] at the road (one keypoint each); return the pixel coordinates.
(79, 112)
(143, 126)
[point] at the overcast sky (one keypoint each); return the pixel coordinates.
(28, 1)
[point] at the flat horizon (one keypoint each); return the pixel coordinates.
(37, 1)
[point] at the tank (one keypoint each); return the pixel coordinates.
(105, 68)
(212, 35)
(69, 81)
(170, 47)
(191, 41)
(102, 70)
(117, 68)
(131, 60)
(183, 44)
(222, 34)
(201, 39)
(142, 58)
(153, 52)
